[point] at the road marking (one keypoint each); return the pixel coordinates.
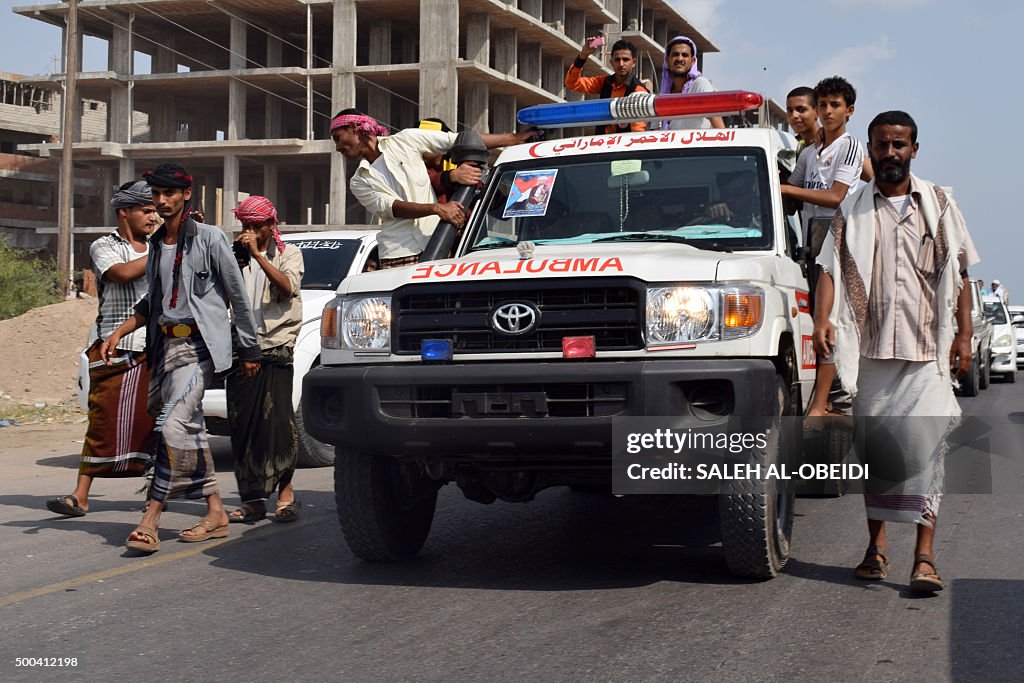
(152, 561)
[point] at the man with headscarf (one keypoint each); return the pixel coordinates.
(894, 274)
(118, 440)
(391, 181)
(192, 279)
(679, 74)
(264, 436)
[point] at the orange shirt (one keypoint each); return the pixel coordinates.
(575, 80)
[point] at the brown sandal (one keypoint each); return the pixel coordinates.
(205, 531)
(925, 581)
(247, 512)
(871, 569)
(149, 546)
(288, 511)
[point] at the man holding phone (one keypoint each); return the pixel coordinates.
(620, 84)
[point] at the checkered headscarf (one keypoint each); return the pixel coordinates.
(257, 209)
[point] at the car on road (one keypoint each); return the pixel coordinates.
(329, 257)
(979, 376)
(1017, 320)
(658, 276)
(1004, 344)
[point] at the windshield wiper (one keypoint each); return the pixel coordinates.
(656, 237)
(494, 245)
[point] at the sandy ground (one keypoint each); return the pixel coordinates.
(42, 349)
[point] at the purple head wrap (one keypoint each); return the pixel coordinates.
(666, 77)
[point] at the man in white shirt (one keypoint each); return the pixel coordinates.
(825, 173)
(392, 182)
(679, 74)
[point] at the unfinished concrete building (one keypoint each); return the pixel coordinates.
(241, 91)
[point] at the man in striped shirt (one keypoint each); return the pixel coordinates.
(117, 441)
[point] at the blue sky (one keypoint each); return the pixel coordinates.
(954, 66)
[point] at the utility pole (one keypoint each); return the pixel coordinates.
(67, 168)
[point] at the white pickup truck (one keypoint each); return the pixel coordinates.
(669, 251)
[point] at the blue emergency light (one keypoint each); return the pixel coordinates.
(639, 107)
(436, 349)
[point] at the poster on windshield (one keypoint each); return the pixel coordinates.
(530, 193)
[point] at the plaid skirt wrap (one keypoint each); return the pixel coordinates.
(184, 466)
(119, 439)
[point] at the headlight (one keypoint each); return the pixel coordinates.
(693, 313)
(1003, 340)
(357, 323)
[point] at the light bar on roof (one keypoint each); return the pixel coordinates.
(639, 107)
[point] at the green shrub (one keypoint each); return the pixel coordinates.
(25, 282)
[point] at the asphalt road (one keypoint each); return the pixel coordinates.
(569, 587)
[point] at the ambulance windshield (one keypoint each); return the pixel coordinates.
(711, 198)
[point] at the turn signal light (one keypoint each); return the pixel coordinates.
(742, 310)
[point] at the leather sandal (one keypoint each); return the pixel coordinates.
(65, 505)
(247, 512)
(926, 581)
(288, 511)
(149, 546)
(203, 531)
(871, 569)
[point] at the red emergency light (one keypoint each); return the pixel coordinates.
(579, 347)
(639, 107)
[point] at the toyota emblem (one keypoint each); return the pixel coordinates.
(515, 317)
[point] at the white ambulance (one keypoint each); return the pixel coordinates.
(599, 277)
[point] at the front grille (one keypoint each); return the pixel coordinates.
(605, 308)
(603, 399)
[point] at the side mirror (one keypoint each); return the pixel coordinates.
(1018, 320)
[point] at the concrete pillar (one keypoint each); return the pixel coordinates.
(109, 217)
(661, 32)
(532, 7)
(554, 12)
(553, 78)
(575, 25)
(236, 89)
(478, 38)
(273, 51)
(378, 100)
(630, 15)
(439, 51)
(126, 171)
(119, 113)
(229, 197)
(270, 181)
(503, 113)
(476, 113)
(272, 117)
(307, 201)
(504, 48)
(343, 94)
(163, 119)
(530, 63)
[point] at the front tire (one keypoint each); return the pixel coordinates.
(312, 453)
(970, 384)
(385, 507)
(755, 516)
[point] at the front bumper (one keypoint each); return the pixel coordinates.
(1004, 360)
(523, 409)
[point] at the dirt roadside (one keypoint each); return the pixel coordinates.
(42, 366)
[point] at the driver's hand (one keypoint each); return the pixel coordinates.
(720, 212)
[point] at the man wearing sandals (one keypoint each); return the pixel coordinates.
(192, 277)
(264, 436)
(118, 439)
(894, 267)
